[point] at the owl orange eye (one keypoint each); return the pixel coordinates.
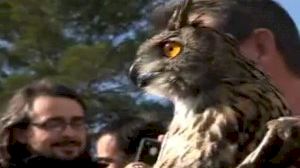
(172, 49)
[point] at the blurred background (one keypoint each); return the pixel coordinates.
(292, 6)
(86, 44)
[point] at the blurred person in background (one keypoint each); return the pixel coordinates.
(117, 143)
(44, 125)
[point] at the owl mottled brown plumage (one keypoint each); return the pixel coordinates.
(280, 148)
(222, 101)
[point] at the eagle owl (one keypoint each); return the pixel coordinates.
(222, 101)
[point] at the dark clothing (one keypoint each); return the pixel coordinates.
(42, 162)
(22, 158)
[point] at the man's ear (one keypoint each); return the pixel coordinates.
(20, 135)
(264, 40)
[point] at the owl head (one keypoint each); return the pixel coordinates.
(186, 58)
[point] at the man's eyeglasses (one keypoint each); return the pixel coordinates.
(60, 124)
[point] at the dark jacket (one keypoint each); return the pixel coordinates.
(43, 162)
(22, 158)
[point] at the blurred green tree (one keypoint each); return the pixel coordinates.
(86, 44)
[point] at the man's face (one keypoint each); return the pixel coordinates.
(49, 135)
(108, 151)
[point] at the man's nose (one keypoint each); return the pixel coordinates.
(69, 131)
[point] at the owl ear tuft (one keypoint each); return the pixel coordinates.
(179, 18)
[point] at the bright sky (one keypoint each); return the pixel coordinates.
(293, 8)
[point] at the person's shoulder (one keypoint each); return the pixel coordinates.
(38, 162)
(87, 164)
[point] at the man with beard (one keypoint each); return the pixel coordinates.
(44, 126)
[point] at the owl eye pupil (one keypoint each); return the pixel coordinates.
(172, 49)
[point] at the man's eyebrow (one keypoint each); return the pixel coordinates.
(60, 118)
(77, 117)
(53, 118)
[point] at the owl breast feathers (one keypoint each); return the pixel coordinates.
(222, 102)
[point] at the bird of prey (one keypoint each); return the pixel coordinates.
(222, 101)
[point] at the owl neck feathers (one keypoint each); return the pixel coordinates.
(187, 108)
(190, 105)
(196, 134)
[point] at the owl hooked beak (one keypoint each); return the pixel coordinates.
(140, 80)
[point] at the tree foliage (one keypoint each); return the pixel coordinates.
(86, 44)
